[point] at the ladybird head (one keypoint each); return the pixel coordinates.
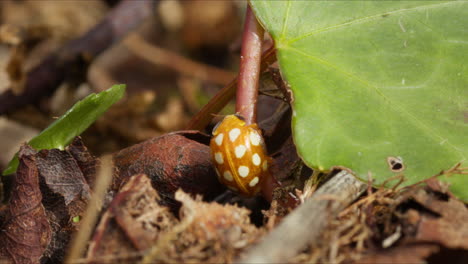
(228, 121)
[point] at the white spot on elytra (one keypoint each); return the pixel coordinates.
(233, 134)
(219, 158)
(254, 138)
(256, 159)
(265, 165)
(219, 139)
(240, 151)
(227, 175)
(243, 171)
(253, 182)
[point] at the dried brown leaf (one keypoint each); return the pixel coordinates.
(65, 191)
(173, 161)
(450, 229)
(25, 233)
(87, 162)
(63, 176)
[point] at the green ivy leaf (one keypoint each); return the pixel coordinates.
(376, 81)
(76, 120)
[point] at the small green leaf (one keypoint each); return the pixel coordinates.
(76, 120)
(376, 81)
(76, 219)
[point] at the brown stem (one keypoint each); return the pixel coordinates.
(204, 116)
(249, 72)
(156, 55)
(305, 224)
(47, 76)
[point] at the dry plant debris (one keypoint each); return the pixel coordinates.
(410, 225)
(137, 226)
(132, 223)
(445, 222)
(314, 215)
(405, 225)
(206, 233)
(402, 255)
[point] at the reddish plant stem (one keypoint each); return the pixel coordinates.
(249, 72)
(48, 75)
(219, 101)
(247, 86)
(252, 63)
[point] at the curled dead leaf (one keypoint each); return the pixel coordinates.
(445, 222)
(172, 161)
(64, 176)
(25, 233)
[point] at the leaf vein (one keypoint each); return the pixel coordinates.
(286, 19)
(366, 19)
(391, 103)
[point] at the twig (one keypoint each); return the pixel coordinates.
(304, 225)
(203, 117)
(249, 72)
(156, 55)
(219, 101)
(47, 76)
(81, 238)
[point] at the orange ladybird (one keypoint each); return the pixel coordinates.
(239, 155)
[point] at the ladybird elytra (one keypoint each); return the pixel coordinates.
(239, 156)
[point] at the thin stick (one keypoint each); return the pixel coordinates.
(156, 55)
(304, 225)
(81, 238)
(204, 116)
(249, 72)
(219, 101)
